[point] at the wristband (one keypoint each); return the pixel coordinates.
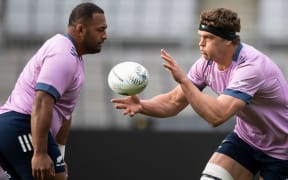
(62, 149)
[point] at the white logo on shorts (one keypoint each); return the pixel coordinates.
(26, 142)
(5, 175)
(60, 161)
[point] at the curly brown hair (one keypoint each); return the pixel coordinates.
(221, 18)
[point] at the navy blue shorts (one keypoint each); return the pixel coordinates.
(16, 149)
(254, 159)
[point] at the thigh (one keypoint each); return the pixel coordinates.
(237, 157)
(15, 146)
(238, 150)
(237, 171)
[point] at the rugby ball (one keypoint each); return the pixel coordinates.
(128, 78)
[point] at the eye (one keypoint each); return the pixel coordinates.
(209, 37)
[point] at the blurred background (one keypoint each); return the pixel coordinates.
(103, 143)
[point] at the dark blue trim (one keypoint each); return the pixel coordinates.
(237, 52)
(238, 94)
(49, 89)
(199, 87)
(73, 50)
(16, 114)
(70, 38)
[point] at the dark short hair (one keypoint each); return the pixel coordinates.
(83, 12)
(223, 18)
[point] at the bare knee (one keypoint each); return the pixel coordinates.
(215, 172)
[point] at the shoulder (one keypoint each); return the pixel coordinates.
(58, 58)
(61, 48)
(58, 44)
(249, 54)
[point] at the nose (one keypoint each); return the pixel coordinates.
(104, 36)
(201, 42)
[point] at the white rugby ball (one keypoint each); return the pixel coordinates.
(128, 78)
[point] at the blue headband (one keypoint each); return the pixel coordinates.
(218, 32)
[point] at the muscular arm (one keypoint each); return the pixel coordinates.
(214, 110)
(165, 105)
(41, 120)
(42, 165)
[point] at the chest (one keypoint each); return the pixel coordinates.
(73, 92)
(218, 80)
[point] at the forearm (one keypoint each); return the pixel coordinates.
(164, 105)
(62, 136)
(214, 110)
(40, 122)
(63, 133)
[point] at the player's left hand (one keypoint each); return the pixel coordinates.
(173, 67)
(42, 166)
(131, 105)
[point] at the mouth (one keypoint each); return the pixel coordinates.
(100, 44)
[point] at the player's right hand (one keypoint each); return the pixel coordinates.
(42, 166)
(131, 105)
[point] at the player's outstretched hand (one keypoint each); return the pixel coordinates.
(173, 67)
(131, 105)
(42, 166)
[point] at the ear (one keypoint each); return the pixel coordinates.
(228, 42)
(80, 29)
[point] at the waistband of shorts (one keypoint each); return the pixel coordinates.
(14, 113)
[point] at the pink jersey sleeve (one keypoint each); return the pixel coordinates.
(56, 74)
(247, 77)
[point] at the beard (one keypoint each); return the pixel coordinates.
(91, 46)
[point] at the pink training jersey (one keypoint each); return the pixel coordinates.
(255, 79)
(55, 68)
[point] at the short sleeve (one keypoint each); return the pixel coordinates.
(56, 74)
(245, 81)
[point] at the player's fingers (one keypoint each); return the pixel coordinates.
(117, 100)
(169, 60)
(126, 111)
(167, 66)
(165, 53)
(34, 174)
(52, 170)
(166, 56)
(120, 106)
(43, 175)
(37, 174)
(131, 113)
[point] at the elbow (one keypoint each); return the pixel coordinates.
(215, 122)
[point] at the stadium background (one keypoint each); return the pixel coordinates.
(104, 144)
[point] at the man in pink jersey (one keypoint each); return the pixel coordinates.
(249, 86)
(43, 99)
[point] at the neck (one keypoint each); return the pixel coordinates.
(74, 39)
(227, 58)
